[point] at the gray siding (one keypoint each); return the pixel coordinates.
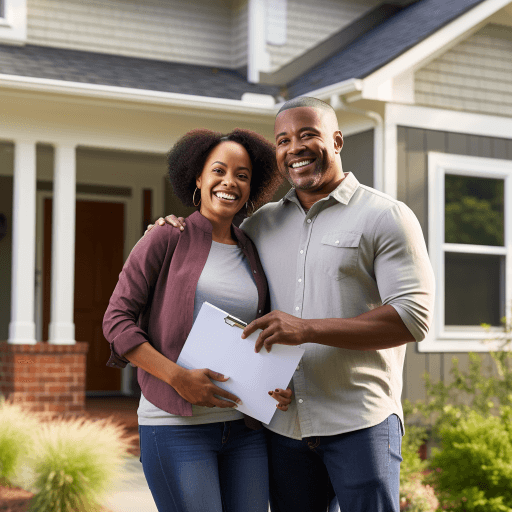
(357, 156)
(412, 166)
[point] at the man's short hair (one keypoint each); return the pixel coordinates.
(306, 101)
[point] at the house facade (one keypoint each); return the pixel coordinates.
(94, 93)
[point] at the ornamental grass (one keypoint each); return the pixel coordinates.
(75, 462)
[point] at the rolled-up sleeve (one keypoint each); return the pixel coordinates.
(136, 280)
(403, 270)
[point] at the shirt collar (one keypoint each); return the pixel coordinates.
(342, 193)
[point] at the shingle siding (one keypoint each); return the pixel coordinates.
(198, 32)
(474, 76)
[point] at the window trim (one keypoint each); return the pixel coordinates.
(439, 338)
(13, 23)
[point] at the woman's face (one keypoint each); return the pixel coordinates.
(225, 181)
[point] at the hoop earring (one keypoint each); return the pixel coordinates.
(194, 198)
(247, 207)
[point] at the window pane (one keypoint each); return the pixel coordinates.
(474, 210)
(474, 289)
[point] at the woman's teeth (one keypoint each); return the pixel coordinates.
(223, 195)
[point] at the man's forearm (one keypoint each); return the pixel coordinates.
(145, 356)
(377, 329)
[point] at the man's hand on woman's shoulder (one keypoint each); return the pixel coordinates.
(177, 222)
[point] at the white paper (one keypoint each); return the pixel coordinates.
(216, 345)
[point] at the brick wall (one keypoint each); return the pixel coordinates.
(47, 378)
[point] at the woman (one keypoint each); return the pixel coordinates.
(197, 451)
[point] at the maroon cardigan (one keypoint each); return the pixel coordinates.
(158, 284)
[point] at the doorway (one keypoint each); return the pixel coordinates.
(99, 259)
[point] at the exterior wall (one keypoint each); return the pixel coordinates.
(199, 32)
(357, 156)
(475, 75)
(309, 23)
(239, 30)
(413, 147)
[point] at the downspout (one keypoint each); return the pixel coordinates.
(379, 178)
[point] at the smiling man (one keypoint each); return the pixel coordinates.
(350, 280)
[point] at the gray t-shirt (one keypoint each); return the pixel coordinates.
(226, 282)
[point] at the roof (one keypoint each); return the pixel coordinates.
(115, 70)
(382, 44)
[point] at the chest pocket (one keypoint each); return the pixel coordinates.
(339, 253)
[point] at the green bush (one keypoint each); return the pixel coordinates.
(473, 469)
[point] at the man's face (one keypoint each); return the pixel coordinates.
(307, 146)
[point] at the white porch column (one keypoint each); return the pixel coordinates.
(62, 327)
(22, 328)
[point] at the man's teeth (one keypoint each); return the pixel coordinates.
(300, 164)
(223, 195)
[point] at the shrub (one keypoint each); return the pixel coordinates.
(473, 470)
(16, 429)
(74, 462)
(417, 497)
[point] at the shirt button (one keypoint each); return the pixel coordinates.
(301, 251)
(259, 310)
(337, 242)
(309, 221)
(301, 401)
(296, 308)
(298, 367)
(254, 271)
(300, 280)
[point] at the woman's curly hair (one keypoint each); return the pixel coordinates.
(186, 159)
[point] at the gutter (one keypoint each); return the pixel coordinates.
(160, 99)
(379, 177)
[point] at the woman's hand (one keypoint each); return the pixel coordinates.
(283, 396)
(196, 387)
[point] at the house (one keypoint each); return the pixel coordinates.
(93, 93)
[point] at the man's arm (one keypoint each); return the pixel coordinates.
(377, 329)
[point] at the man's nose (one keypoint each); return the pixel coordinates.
(296, 146)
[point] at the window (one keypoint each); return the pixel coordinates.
(13, 21)
(470, 231)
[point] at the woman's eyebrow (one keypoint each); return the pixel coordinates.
(222, 163)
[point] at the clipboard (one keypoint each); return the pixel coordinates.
(215, 342)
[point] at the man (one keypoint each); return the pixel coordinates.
(350, 280)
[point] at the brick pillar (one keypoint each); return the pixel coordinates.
(47, 378)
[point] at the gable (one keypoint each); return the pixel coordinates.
(474, 76)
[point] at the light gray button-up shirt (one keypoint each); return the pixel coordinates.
(353, 251)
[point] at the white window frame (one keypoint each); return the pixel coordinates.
(466, 339)
(13, 23)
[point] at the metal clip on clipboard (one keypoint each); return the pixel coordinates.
(235, 322)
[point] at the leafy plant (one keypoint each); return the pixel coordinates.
(75, 461)
(473, 470)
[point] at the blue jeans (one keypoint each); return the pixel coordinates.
(218, 467)
(360, 470)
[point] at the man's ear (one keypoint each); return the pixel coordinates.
(338, 141)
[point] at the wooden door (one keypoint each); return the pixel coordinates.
(98, 261)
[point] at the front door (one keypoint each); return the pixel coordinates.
(98, 261)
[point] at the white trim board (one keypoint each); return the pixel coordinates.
(449, 120)
(440, 339)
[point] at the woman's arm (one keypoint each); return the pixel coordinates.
(194, 386)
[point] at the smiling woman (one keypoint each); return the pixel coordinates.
(197, 451)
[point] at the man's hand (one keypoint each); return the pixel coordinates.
(177, 222)
(277, 327)
(283, 396)
(196, 387)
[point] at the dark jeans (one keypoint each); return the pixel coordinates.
(361, 469)
(217, 467)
